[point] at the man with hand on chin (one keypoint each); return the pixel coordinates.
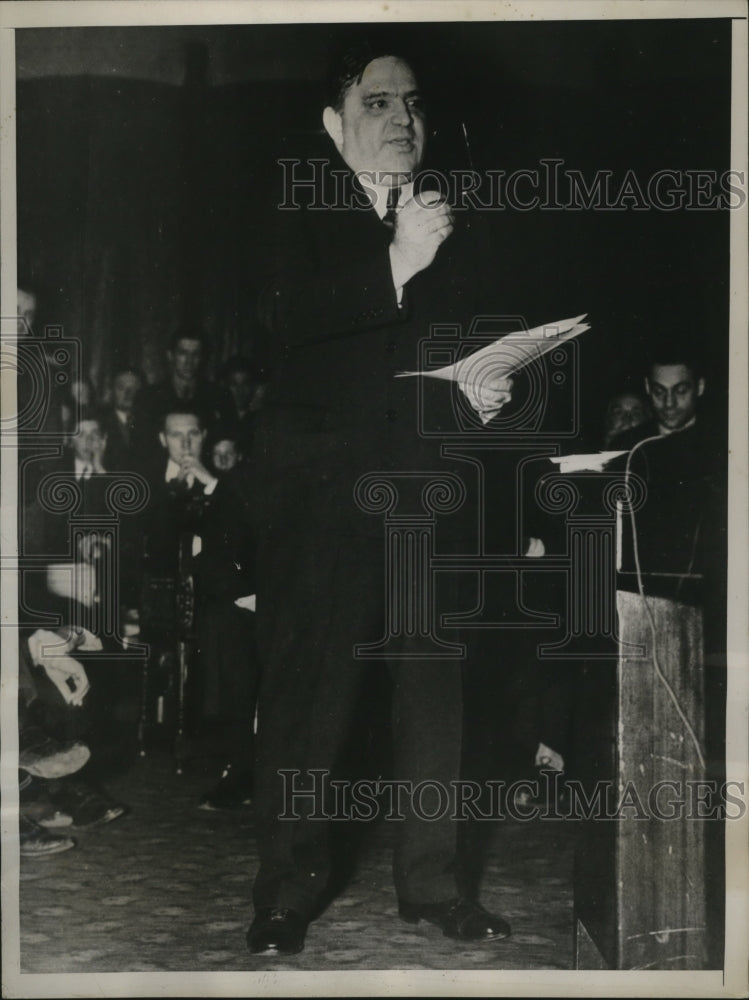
(353, 292)
(208, 520)
(181, 491)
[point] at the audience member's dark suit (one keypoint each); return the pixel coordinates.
(47, 531)
(334, 412)
(225, 669)
(49, 514)
(174, 510)
(175, 514)
(684, 514)
(125, 443)
(226, 564)
(227, 663)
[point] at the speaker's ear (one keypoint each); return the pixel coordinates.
(333, 123)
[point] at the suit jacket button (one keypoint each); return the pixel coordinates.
(390, 347)
(390, 415)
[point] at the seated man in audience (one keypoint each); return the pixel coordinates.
(88, 442)
(680, 456)
(225, 453)
(167, 535)
(84, 462)
(59, 709)
(46, 522)
(120, 423)
(180, 488)
(81, 709)
(207, 517)
(184, 387)
(230, 462)
(674, 385)
(625, 411)
(75, 585)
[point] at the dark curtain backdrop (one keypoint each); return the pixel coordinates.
(141, 204)
(99, 179)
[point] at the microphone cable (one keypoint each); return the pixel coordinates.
(648, 610)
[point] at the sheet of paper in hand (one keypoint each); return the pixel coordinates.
(507, 355)
(585, 463)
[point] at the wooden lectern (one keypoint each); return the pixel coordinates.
(641, 882)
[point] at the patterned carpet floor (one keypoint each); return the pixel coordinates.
(167, 888)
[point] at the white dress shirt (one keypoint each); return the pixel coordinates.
(83, 470)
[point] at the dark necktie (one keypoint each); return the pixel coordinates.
(392, 202)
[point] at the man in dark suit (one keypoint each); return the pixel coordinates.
(674, 386)
(74, 588)
(225, 625)
(355, 290)
(180, 488)
(185, 387)
(124, 435)
(207, 519)
(82, 463)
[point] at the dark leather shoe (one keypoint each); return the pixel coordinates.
(458, 918)
(277, 931)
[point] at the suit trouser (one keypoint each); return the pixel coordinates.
(321, 593)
